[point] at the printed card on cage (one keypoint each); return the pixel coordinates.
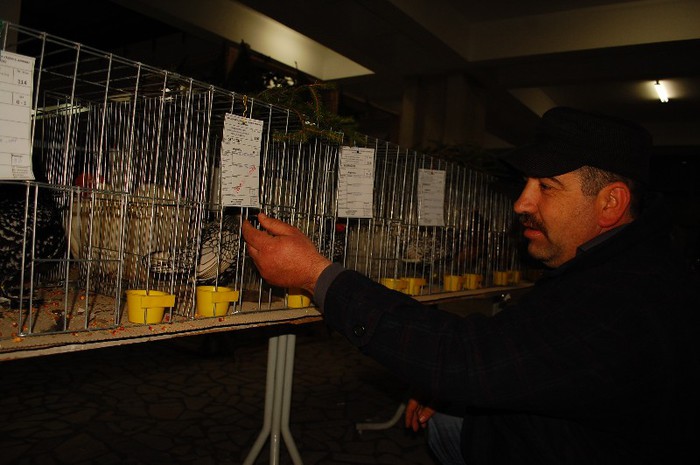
(16, 83)
(240, 161)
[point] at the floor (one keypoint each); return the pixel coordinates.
(199, 400)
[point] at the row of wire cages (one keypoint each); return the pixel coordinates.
(457, 237)
(126, 204)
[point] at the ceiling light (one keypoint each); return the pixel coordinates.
(661, 90)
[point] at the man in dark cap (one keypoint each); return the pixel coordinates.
(597, 363)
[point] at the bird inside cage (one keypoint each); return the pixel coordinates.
(330, 240)
(338, 249)
(31, 226)
(426, 246)
(220, 247)
(218, 252)
(474, 244)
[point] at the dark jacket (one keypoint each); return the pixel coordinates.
(598, 363)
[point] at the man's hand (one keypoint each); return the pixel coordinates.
(284, 256)
(417, 415)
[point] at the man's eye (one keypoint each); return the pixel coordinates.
(545, 187)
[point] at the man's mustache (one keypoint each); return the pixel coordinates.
(530, 222)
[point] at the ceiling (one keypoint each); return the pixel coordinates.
(523, 57)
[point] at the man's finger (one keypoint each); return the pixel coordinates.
(275, 226)
(425, 414)
(413, 411)
(416, 425)
(254, 237)
(410, 413)
(252, 251)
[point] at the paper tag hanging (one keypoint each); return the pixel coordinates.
(16, 87)
(240, 161)
(356, 182)
(431, 197)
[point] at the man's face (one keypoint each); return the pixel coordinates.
(557, 217)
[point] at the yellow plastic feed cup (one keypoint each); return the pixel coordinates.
(514, 276)
(452, 283)
(472, 281)
(147, 307)
(214, 301)
(297, 299)
(500, 278)
(394, 283)
(414, 285)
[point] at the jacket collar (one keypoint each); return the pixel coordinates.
(654, 220)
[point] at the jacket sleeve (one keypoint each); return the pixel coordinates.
(433, 350)
(561, 360)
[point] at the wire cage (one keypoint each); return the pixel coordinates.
(470, 247)
(130, 200)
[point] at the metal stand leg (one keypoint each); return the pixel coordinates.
(383, 425)
(278, 396)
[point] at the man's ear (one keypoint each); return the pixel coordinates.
(614, 201)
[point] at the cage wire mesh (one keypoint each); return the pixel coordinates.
(474, 244)
(127, 196)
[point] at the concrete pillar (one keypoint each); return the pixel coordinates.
(440, 111)
(9, 11)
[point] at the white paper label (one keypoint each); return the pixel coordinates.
(16, 85)
(240, 161)
(355, 182)
(431, 197)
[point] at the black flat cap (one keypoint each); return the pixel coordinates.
(567, 139)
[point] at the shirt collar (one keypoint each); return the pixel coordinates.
(599, 239)
(585, 247)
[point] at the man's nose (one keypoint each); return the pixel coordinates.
(526, 202)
